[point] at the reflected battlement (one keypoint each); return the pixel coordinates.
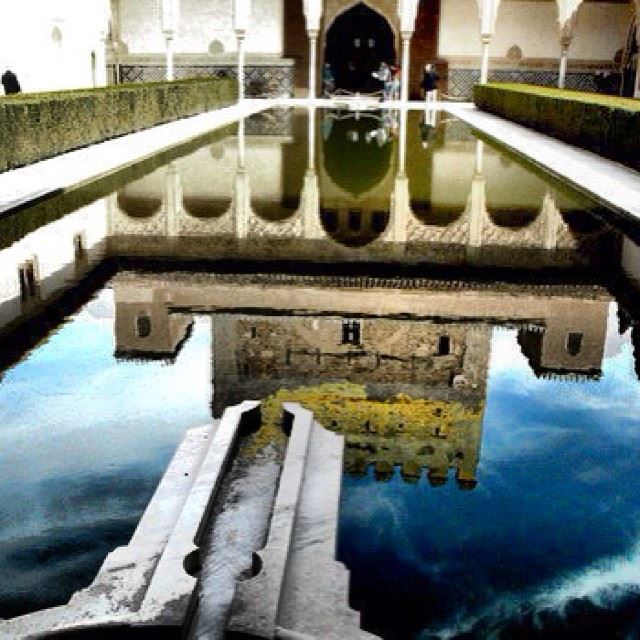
(412, 434)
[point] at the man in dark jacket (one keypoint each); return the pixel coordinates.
(10, 82)
(429, 83)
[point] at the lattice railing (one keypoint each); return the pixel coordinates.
(260, 80)
(461, 81)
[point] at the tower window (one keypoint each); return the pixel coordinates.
(574, 343)
(28, 282)
(444, 346)
(351, 332)
(143, 326)
(79, 250)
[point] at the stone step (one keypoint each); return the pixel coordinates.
(146, 583)
(171, 587)
(255, 606)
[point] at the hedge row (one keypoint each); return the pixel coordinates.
(607, 125)
(41, 125)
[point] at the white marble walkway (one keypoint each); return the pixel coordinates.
(606, 181)
(73, 169)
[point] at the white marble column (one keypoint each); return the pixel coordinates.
(168, 44)
(567, 20)
(240, 40)
(488, 16)
(407, 12)
(103, 16)
(100, 77)
(313, 10)
(169, 12)
(313, 63)
(241, 19)
(404, 86)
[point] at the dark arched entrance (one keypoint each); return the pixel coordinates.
(357, 42)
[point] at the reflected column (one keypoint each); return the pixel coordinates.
(551, 219)
(401, 199)
(242, 194)
(310, 197)
(172, 200)
(477, 202)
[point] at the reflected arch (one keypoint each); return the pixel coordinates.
(354, 227)
(355, 156)
(206, 208)
(136, 206)
(356, 42)
(513, 218)
(436, 215)
(276, 210)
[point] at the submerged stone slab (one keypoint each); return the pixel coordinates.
(301, 591)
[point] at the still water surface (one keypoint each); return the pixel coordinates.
(470, 324)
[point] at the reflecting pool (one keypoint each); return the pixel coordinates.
(470, 326)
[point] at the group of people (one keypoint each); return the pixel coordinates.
(389, 76)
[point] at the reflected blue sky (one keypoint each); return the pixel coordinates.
(555, 515)
(84, 440)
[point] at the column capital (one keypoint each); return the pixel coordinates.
(313, 10)
(407, 12)
(168, 34)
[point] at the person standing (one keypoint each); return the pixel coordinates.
(384, 75)
(328, 81)
(430, 83)
(10, 82)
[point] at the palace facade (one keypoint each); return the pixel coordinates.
(590, 45)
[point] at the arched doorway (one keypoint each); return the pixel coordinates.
(357, 42)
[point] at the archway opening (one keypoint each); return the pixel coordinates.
(357, 42)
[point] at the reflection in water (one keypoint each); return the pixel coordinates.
(545, 545)
(444, 307)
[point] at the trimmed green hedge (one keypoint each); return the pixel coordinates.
(607, 125)
(35, 126)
